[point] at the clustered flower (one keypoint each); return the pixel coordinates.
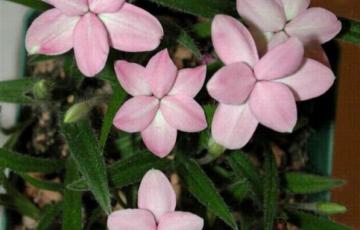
(267, 68)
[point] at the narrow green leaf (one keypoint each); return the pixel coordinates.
(174, 32)
(240, 189)
(271, 191)
(86, 153)
(311, 222)
(23, 163)
(350, 31)
(79, 185)
(204, 8)
(72, 200)
(15, 91)
(203, 189)
(17, 201)
(35, 4)
(49, 215)
(303, 183)
(116, 100)
(132, 169)
(40, 184)
(243, 167)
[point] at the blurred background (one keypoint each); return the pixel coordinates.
(347, 136)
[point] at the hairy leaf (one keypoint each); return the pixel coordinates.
(41, 184)
(15, 91)
(303, 183)
(350, 31)
(48, 216)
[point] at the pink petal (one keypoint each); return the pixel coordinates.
(232, 41)
(133, 29)
(132, 78)
(70, 7)
(180, 221)
(267, 15)
(105, 6)
(294, 7)
(314, 24)
(136, 114)
(51, 33)
(189, 81)
(233, 125)
(273, 104)
(160, 136)
(232, 84)
(281, 61)
(161, 73)
(312, 80)
(91, 45)
(183, 113)
(278, 39)
(131, 219)
(156, 194)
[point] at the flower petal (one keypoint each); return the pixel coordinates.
(51, 33)
(161, 73)
(183, 113)
(156, 194)
(105, 6)
(91, 45)
(278, 39)
(312, 80)
(189, 81)
(267, 15)
(273, 104)
(159, 137)
(233, 125)
(232, 84)
(294, 7)
(136, 114)
(133, 29)
(281, 61)
(232, 41)
(180, 221)
(314, 24)
(70, 7)
(132, 78)
(131, 219)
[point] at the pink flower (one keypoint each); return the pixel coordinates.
(163, 101)
(252, 91)
(91, 27)
(156, 202)
(280, 19)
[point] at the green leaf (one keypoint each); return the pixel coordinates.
(72, 200)
(311, 222)
(35, 4)
(174, 32)
(350, 31)
(203, 29)
(49, 215)
(204, 8)
(244, 168)
(23, 163)
(86, 153)
(203, 189)
(303, 183)
(240, 189)
(15, 91)
(271, 191)
(17, 201)
(132, 169)
(118, 97)
(44, 185)
(79, 185)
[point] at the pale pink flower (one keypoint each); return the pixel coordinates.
(280, 19)
(163, 101)
(91, 27)
(253, 91)
(156, 203)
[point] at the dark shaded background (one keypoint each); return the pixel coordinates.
(347, 137)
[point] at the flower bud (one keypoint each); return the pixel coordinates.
(329, 208)
(77, 112)
(215, 149)
(41, 89)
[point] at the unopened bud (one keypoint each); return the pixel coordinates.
(41, 89)
(77, 112)
(329, 208)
